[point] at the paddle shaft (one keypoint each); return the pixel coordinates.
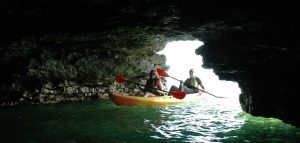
(175, 78)
(198, 88)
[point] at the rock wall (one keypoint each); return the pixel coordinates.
(55, 68)
(263, 57)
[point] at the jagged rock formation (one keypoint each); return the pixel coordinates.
(56, 50)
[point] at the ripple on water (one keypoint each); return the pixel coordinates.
(207, 121)
(196, 122)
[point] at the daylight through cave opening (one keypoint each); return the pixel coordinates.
(181, 57)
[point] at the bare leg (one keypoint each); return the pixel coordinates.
(140, 93)
(185, 89)
(173, 88)
(148, 94)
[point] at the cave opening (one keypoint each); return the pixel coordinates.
(181, 57)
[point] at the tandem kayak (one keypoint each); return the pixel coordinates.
(126, 100)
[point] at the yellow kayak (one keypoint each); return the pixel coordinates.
(125, 100)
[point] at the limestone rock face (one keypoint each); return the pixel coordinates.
(55, 50)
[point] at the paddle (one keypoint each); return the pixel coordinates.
(162, 73)
(176, 94)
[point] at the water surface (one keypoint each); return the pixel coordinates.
(209, 120)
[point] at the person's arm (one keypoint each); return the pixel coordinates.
(186, 82)
(159, 84)
(200, 82)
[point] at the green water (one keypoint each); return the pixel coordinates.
(102, 122)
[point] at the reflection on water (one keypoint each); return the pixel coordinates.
(210, 120)
(197, 122)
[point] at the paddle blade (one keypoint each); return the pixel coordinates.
(178, 94)
(120, 79)
(161, 72)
